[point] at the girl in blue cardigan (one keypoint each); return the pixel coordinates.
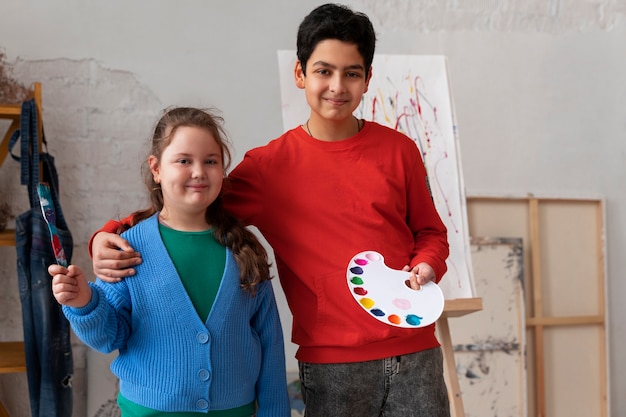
(197, 330)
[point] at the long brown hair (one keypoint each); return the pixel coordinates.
(249, 253)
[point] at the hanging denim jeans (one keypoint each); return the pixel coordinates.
(49, 364)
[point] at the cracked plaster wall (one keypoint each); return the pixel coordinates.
(537, 85)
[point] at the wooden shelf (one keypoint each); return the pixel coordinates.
(7, 237)
(10, 111)
(12, 357)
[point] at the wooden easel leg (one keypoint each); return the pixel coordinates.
(3, 411)
(452, 379)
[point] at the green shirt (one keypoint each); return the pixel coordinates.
(200, 261)
(130, 409)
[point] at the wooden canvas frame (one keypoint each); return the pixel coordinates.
(565, 296)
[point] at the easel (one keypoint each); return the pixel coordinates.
(454, 308)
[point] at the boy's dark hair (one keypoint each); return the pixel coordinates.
(336, 21)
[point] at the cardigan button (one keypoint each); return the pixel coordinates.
(202, 404)
(204, 374)
(202, 337)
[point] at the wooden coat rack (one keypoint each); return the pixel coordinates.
(12, 357)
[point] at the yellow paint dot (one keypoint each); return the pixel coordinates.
(367, 302)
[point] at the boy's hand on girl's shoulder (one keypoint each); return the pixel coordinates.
(69, 285)
(420, 274)
(113, 257)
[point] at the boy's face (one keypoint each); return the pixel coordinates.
(335, 81)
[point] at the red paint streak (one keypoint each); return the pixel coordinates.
(374, 108)
(417, 97)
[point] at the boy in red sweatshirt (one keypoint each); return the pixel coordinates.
(321, 193)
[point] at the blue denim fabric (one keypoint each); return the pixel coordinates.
(49, 364)
(410, 385)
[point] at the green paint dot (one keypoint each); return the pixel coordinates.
(356, 281)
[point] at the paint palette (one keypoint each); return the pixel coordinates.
(383, 293)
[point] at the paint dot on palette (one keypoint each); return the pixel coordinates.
(402, 303)
(394, 319)
(377, 312)
(361, 262)
(360, 291)
(356, 281)
(367, 303)
(414, 320)
(373, 256)
(356, 270)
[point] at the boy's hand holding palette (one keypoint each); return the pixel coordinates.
(384, 294)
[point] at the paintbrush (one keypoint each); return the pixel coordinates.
(47, 208)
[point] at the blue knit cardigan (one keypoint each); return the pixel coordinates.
(170, 360)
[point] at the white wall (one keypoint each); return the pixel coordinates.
(538, 88)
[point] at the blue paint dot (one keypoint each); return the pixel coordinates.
(377, 312)
(414, 320)
(356, 270)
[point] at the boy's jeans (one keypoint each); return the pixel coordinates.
(403, 386)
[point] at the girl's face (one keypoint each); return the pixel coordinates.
(190, 172)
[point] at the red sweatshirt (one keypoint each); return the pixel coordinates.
(320, 203)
